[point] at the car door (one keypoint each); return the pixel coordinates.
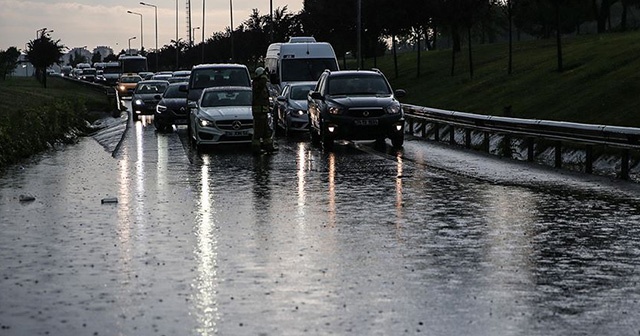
(315, 105)
(282, 106)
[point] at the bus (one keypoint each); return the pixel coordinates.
(133, 63)
(301, 59)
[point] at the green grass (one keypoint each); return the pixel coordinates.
(33, 118)
(600, 83)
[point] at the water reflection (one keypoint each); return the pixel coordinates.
(332, 189)
(301, 174)
(399, 201)
(206, 254)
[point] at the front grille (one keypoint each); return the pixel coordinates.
(365, 112)
(235, 125)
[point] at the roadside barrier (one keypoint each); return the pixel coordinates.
(529, 135)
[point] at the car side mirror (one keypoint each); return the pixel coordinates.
(399, 93)
(192, 105)
(183, 88)
(316, 95)
(157, 97)
(282, 99)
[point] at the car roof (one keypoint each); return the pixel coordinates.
(219, 65)
(153, 81)
(355, 72)
(302, 83)
(226, 88)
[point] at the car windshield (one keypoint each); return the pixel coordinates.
(300, 92)
(358, 85)
(226, 98)
(130, 79)
(173, 91)
(216, 77)
(157, 88)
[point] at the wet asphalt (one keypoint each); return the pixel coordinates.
(358, 241)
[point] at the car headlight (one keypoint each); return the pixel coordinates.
(335, 109)
(205, 123)
(121, 88)
(297, 113)
(139, 102)
(160, 108)
(393, 108)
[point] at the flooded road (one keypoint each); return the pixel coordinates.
(359, 241)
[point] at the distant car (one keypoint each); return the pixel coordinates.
(146, 96)
(291, 107)
(222, 115)
(146, 74)
(180, 76)
(164, 77)
(172, 109)
(215, 75)
(355, 105)
(127, 83)
(88, 74)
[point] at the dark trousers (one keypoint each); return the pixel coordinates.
(262, 133)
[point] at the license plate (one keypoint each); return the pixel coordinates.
(366, 122)
(237, 133)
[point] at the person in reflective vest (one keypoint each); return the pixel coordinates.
(262, 134)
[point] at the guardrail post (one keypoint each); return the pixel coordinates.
(452, 135)
(467, 137)
(531, 154)
(558, 152)
(624, 165)
(436, 133)
(424, 128)
(588, 165)
(486, 145)
(410, 122)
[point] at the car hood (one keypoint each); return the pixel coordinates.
(174, 102)
(363, 101)
(298, 104)
(146, 96)
(226, 112)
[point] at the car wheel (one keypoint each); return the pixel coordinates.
(134, 116)
(397, 141)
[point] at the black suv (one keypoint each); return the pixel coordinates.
(355, 105)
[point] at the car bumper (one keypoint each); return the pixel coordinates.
(341, 128)
(171, 118)
(216, 136)
(143, 109)
(298, 123)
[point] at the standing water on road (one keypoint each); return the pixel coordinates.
(354, 241)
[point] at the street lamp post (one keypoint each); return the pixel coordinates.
(204, 15)
(193, 32)
(177, 50)
(156, 11)
(141, 34)
(231, 30)
(131, 38)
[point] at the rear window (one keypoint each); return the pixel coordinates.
(173, 91)
(157, 88)
(215, 77)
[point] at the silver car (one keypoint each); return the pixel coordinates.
(222, 115)
(290, 110)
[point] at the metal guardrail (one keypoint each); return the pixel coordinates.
(619, 141)
(109, 91)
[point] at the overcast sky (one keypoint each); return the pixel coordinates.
(91, 23)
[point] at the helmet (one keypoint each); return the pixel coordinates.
(259, 71)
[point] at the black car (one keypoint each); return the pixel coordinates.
(146, 96)
(355, 105)
(172, 108)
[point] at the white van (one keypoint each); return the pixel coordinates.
(302, 59)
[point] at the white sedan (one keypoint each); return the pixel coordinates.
(222, 115)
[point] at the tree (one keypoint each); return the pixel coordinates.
(96, 58)
(42, 53)
(76, 58)
(8, 61)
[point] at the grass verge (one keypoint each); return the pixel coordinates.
(599, 84)
(33, 118)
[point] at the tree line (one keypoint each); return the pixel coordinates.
(384, 25)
